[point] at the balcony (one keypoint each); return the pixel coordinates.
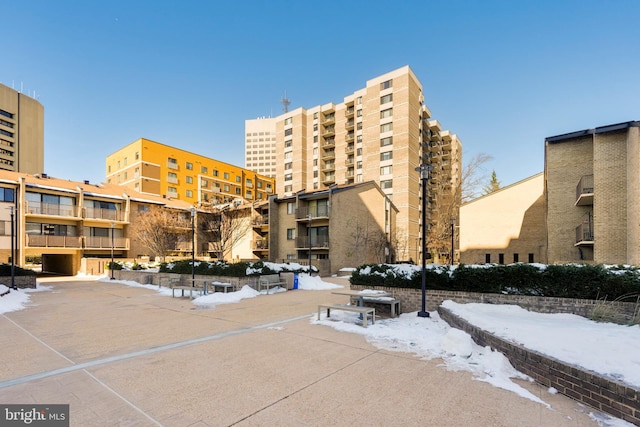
(315, 213)
(172, 165)
(350, 111)
(51, 209)
(317, 242)
(93, 242)
(349, 149)
(52, 241)
(349, 162)
(350, 124)
(349, 174)
(329, 131)
(328, 154)
(329, 142)
(172, 179)
(584, 234)
(350, 136)
(261, 220)
(584, 191)
(105, 214)
(329, 118)
(261, 245)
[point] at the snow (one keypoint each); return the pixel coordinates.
(609, 349)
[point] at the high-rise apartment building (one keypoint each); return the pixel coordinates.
(154, 168)
(21, 132)
(260, 146)
(379, 133)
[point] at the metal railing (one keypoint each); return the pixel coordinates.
(53, 209)
(51, 241)
(584, 232)
(100, 213)
(103, 242)
(585, 186)
(319, 242)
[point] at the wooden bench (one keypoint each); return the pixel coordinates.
(364, 311)
(183, 288)
(394, 304)
(269, 281)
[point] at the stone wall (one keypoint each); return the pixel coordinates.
(163, 279)
(20, 281)
(411, 300)
(606, 395)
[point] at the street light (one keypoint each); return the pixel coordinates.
(193, 247)
(13, 255)
(309, 238)
(453, 225)
(424, 170)
(112, 246)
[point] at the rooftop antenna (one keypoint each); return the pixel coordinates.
(285, 102)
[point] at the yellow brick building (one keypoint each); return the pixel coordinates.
(150, 167)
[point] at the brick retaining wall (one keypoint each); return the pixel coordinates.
(411, 300)
(605, 395)
(20, 281)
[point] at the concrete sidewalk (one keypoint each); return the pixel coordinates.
(124, 356)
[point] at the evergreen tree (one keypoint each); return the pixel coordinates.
(493, 185)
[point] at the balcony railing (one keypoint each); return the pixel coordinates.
(261, 220)
(584, 233)
(584, 190)
(94, 242)
(261, 245)
(107, 214)
(53, 209)
(51, 241)
(317, 212)
(319, 242)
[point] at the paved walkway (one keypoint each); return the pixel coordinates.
(124, 356)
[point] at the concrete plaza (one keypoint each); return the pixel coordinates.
(127, 356)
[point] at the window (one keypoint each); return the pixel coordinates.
(387, 155)
(288, 143)
(189, 193)
(500, 258)
(226, 175)
(291, 233)
(288, 188)
(386, 184)
(204, 169)
(315, 116)
(6, 114)
(291, 208)
(189, 166)
(189, 180)
(288, 121)
(137, 155)
(386, 141)
(288, 155)
(386, 170)
(238, 179)
(359, 152)
(359, 113)
(288, 132)
(204, 183)
(6, 194)
(214, 172)
(359, 164)
(359, 126)
(487, 258)
(288, 177)
(315, 174)
(531, 258)
(386, 113)
(386, 85)
(288, 166)
(238, 191)
(125, 161)
(386, 98)
(387, 127)
(515, 258)
(359, 100)
(315, 128)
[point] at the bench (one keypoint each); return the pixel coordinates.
(394, 304)
(269, 281)
(224, 286)
(185, 288)
(364, 311)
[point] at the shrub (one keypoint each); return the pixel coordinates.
(5, 270)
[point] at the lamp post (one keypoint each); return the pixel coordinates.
(309, 238)
(424, 170)
(193, 247)
(13, 255)
(113, 240)
(453, 226)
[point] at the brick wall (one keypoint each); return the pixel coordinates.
(612, 397)
(20, 281)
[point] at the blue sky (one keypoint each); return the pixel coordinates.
(502, 75)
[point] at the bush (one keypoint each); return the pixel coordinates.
(566, 281)
(5, 270)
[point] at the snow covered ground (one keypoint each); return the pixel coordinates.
(611, 350)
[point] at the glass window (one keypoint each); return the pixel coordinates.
(189, 166)
(291, 208)
(387, 155)
(386, 170)
(288, 121)
(386, 85)
(386, 141)
(204, 169)
(386, 113)
(288, 132)
(387, 127)
(6, 194)
(226, 175)
(291, 233)
(189, 193)
(386, 184)
(238, 179)
(386, 98)
(189, 180)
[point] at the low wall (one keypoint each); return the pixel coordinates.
(411, 300)
(152, 278)
(606, 395)
(20, 281)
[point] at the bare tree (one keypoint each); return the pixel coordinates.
(158, 230)
(474, 175)
(227, 227)
(369, 242)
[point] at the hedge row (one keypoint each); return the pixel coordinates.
(566, 281)
(5, 270)
(240, 269)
